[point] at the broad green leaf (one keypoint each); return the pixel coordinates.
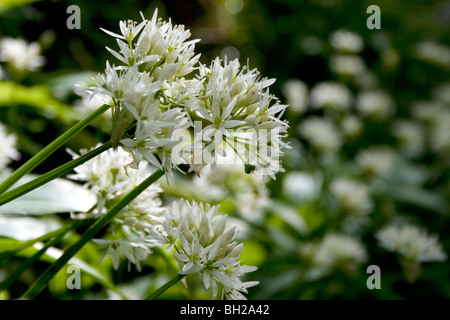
(8, 4)
(59, 195)
(38, 97)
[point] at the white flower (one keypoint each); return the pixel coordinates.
(20, 55)
(8, 150)
(347, 65)
(332, 95)
(235, 102)
(433, 52)
(429, 111)
(111, 175)
(134, 252)
(321, 133)
(334, 251)
(411, 242)
(207, 248)
(346, 41)
(223, 104)
(351, 125)
(375, 104)
(296, 93)
(230, 180)
(377, 160)
(301, 186)
(353, 196)
(410, 136)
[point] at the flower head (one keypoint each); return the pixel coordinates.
(207, 248)
(411, 242)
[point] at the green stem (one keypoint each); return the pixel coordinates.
(52, 147)
(23, 246)
(36, 256)
(166, 286)
(51, 175)
(98, 225)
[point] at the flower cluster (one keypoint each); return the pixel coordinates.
(110, 176)
(205, 247)
(20, 55)
(154, 89)
(411, 242)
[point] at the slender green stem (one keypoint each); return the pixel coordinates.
(52, 147)
(99, 224)
(51, 175)
(36, 256)
(7, 254)
(166, 286)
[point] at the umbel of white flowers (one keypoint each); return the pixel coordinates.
(185, 112)
(207, 248)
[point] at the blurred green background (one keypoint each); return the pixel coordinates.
(407, 59)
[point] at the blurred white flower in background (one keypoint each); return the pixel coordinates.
(321, 133)
(433, 52)
(331, 252)
(351, 125)
(352, 195)
(296, 93)
(375, 104)
(8, 151)
(377, 160)
(299, 187)
(411, 242)
(346, 41)
(347, 65)
(21, 55)
(411, 137)
(332, 95)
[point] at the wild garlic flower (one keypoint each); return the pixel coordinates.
(375, 104)
(21, 55)
(110, 176)
(353, 196)
(347, 65)
(351, 125)
(346, 41)
(333, 95)
(237, 109)
(411, 242)
(378, 160)
(410, 136)
(433, 52)
(296, 93)
(229, 182)
(205, 247)
(8, 150)
(321, 133)
(154, 89)
(134, 252)
(334, 251)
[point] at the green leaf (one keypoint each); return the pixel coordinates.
(59, 195)
(38, 97)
